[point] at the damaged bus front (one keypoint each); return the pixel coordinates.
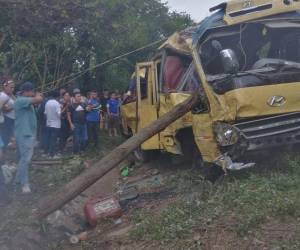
(245, 62)
(247, 55)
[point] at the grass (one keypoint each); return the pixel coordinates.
(249, 199)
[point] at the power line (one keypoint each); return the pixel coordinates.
(79, 74)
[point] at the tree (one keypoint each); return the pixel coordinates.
(48, 40)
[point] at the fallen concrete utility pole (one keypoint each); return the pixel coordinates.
(71, 190)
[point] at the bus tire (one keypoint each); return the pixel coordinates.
(209, 171)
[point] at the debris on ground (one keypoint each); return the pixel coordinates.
(75, 239)
(8, 172)
(102, 208)
(125, 172)
(148, 191)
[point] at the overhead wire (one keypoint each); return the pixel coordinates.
(79, 74)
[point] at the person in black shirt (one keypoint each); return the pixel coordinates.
(77, 120)
(42, 128)
(103, 101)
(65, 130)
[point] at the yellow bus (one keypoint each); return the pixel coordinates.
(244, 60)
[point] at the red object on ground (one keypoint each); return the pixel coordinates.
(102, 208)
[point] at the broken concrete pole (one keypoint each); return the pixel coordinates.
(71, 190)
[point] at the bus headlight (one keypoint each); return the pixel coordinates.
(226, 134)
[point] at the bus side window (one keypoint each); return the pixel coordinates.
(192, 83)
(144, 84)
(191, 80)
(173, 71)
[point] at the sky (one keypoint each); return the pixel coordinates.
(198, 9)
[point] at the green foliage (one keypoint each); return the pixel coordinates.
(251, 200)
(46, 41)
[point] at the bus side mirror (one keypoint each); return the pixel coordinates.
(229, 61)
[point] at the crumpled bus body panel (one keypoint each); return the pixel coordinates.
(260, 101)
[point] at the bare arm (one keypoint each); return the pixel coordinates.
(108, 110)
(70, 120)
(37, 99)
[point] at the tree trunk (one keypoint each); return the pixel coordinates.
(89, 177)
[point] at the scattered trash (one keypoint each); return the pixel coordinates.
(240, 166)
(118, 221)
(8, 172)
(147, 197)
(66, 224)
(129, 193)
(125, 172)
(102, 208)
(146, 184)
(75, 239)
(55, 218)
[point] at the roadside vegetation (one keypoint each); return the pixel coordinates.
(241, 205)
(52, 44)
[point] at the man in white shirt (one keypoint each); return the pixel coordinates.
(7, 96)
(4, 198)
(53, 123)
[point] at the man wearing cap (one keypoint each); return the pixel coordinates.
(25, 131)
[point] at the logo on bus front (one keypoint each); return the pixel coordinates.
(276, 101)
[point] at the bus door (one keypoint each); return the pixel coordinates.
(147, 103)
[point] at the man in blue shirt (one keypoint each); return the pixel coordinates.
(25, 131)
(113, 110)
(93, 118)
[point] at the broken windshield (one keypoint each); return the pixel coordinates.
(261, 53)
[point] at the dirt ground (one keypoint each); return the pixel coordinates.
(220, 235)
(19, 230)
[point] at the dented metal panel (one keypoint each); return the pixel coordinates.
(180, 41)
(257, 101)
(205, 137)
(168, 139)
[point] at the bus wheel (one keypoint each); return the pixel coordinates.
(209, 171)
(144, 156)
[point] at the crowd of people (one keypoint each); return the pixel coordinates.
(62, 114)
(49, 120)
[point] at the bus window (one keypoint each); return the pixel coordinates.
(174, 69)
(191, 80)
